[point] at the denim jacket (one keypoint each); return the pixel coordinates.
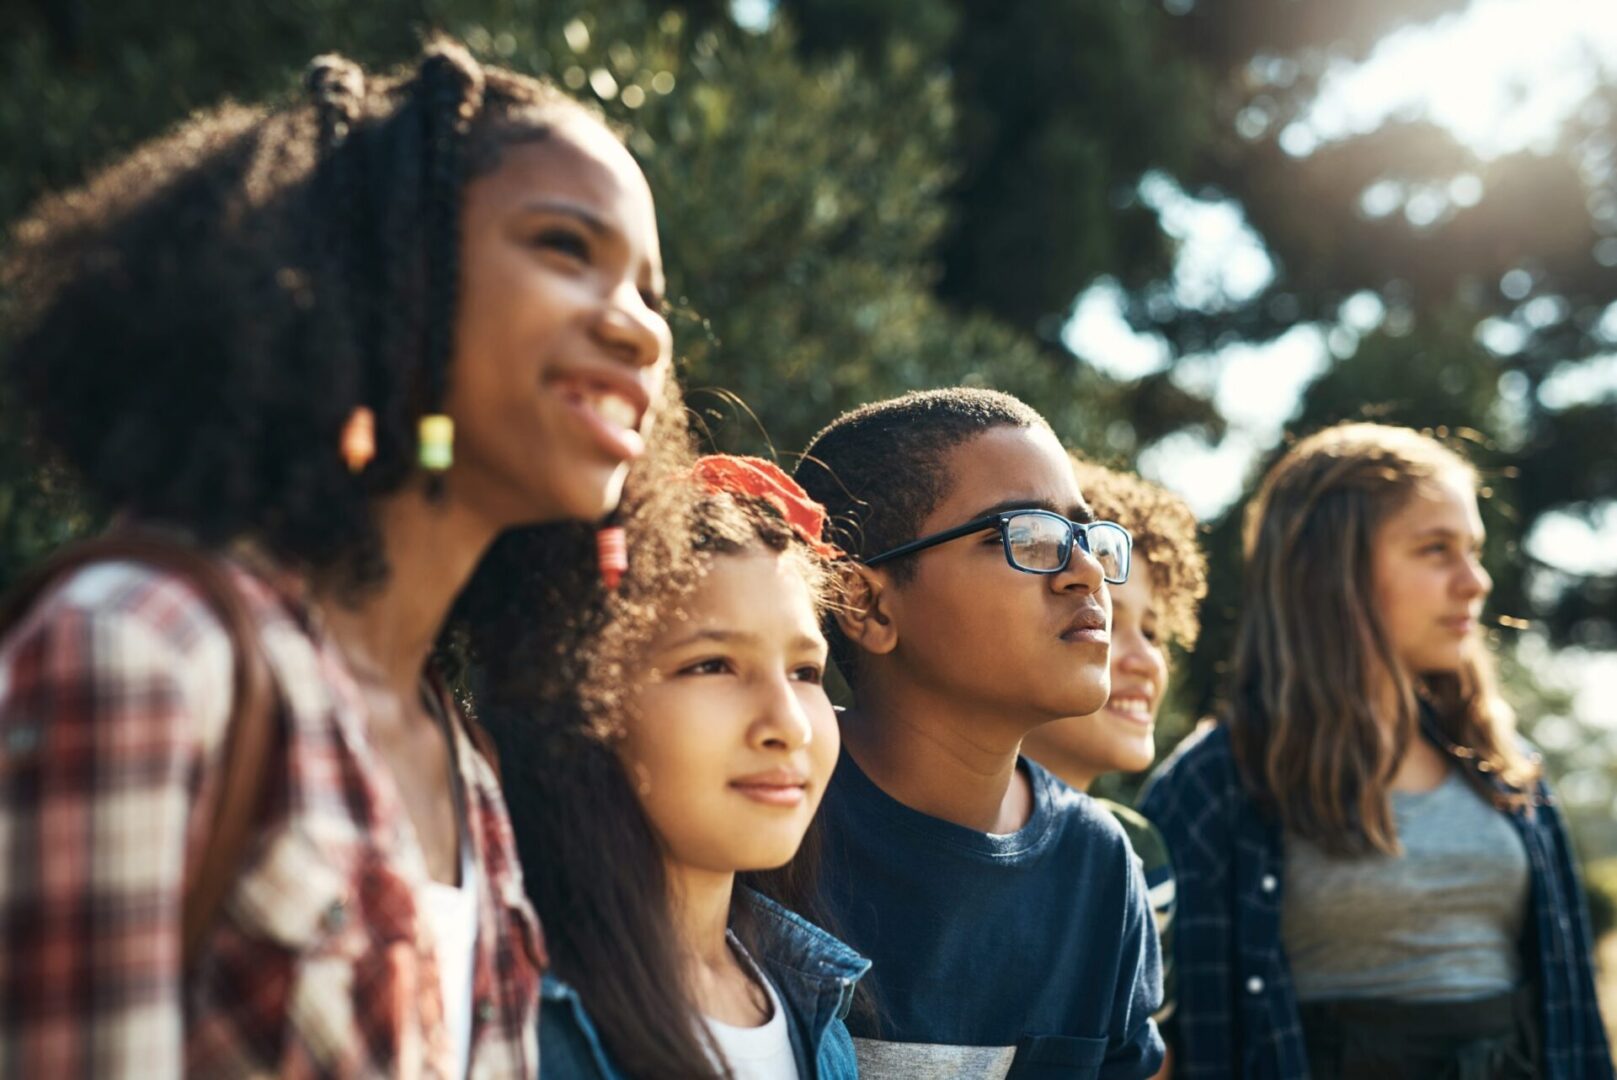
(1237, 1010)
(813, 973)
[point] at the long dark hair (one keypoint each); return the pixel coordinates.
(192, 328)
(594, 865)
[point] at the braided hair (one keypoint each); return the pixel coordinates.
(195, 325)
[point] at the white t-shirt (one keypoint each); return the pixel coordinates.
(452, 913)
(756, 1053)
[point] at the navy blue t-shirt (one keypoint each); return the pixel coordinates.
(1026, 955)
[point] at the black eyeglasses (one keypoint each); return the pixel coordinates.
(1037, 542)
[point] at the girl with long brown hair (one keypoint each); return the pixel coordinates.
(663, 796)
(1373, 878)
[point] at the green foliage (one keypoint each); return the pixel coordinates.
(801, 205)
(83, 85)
(1062, 107)
(874, 195)
(1065, 104)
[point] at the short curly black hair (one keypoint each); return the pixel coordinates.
(192, 328)
(879, 471)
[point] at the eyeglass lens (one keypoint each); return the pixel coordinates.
(1040, 542)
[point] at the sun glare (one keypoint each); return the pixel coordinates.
(1502, 75)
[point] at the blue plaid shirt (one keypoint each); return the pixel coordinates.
(1237, 1011)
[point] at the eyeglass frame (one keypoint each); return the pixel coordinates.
(1078, 530)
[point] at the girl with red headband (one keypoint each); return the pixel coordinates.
(664, 806)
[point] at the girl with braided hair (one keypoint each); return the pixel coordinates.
(331, 350)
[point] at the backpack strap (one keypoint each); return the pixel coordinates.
(238, 790)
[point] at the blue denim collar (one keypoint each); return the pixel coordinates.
(796, 951)
(795, 942)
(813, 973)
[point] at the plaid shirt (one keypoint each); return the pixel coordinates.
(114, 696)
(1237, 1010)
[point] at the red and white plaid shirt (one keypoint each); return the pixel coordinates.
(114, 697)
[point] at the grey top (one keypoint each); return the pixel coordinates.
(1439, 923)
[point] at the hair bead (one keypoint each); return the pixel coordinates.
(359, 439)
(436, 451)
(336, 85)
(611, 554)
(449, 92)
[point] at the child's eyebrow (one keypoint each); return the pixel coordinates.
(717, 636)
(1078, 511)
(587, 217)
(1443, 532)
(740, 637)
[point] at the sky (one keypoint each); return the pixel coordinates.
(1501, 75)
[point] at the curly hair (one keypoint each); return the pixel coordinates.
(593, 864)
(193, 327)
(528, 625)
(1165, 543)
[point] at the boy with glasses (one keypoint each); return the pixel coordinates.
(1005, 912)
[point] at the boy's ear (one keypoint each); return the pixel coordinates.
(865, 613)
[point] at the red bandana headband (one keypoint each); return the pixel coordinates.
(765, 480)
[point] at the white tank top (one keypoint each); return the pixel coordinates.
(756, 1053)
(451, 911)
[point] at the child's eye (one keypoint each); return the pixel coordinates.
(1149, 633)
(566, 241)
(809, 673)
(714, 666)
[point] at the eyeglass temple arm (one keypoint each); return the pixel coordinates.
(936, 538)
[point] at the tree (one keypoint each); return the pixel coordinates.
(801, 205)
(875, 196)
(1492, 279)
(1067, 104)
